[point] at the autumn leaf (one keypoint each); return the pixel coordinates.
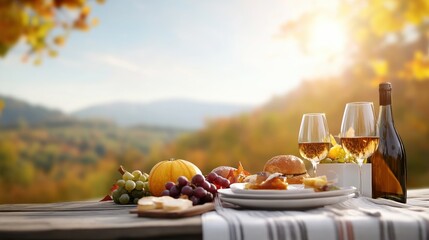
(108, 197)
(59, 40)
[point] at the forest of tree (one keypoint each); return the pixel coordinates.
(71, 161)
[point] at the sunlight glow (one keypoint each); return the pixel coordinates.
(327, 36)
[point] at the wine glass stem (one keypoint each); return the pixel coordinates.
(314, 164)
(360, 162)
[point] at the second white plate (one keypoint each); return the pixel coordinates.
(286, 203)
(291, 189)
(284, 194)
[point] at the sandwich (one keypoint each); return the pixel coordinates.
(290, 166)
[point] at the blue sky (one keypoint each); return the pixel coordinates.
(217, 51)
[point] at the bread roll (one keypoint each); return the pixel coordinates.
(292, 167)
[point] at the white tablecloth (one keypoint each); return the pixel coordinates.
(356, 218)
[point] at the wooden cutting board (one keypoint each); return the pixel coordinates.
(159, 213)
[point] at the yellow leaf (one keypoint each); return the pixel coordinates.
(52, 53)
(34, 20)
(59, 40)
(380, 67)
(95, 22)
(418, 55)
(85, 11)
(37, 61)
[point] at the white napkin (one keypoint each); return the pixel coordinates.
(356, 218)
(252, 224)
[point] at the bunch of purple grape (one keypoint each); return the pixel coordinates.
(198, 190)
(217, 180)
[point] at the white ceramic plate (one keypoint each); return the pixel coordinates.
(291, 189)
(284, 194)
(286, 203)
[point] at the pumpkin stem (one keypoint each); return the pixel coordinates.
(171, 159)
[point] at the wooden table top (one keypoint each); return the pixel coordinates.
(90, 220)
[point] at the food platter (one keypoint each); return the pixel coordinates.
(286, 203)
(297, 192)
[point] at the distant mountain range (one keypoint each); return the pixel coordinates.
(17, 112)
(175, 113)
(180, 113)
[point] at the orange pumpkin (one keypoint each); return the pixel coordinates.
(169, 170)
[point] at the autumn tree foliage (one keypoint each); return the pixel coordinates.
(34, 22)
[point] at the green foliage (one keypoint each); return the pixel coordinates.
(8, 159)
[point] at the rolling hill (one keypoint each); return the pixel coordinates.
(17, 112)
(173, 113)
(178, 113)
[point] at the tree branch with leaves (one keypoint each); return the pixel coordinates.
(33, 22)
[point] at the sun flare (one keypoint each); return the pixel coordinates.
(327, 36)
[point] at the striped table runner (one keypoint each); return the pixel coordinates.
(356, 218)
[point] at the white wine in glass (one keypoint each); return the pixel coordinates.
(314, 138)
(359, 132)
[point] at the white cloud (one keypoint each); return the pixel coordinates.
(115, 61)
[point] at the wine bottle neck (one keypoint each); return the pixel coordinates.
(385, 98)
(386, 114)
(385, 91)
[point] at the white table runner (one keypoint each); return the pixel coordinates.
(356, 218)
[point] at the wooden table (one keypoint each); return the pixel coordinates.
(378, 218)
(90, 220)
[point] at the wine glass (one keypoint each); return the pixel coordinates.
(359, 132)
(314, 138)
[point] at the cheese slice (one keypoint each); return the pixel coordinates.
(146, 203)
(177, 204)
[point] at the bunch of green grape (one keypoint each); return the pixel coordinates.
(338, 155)
(131, 187)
